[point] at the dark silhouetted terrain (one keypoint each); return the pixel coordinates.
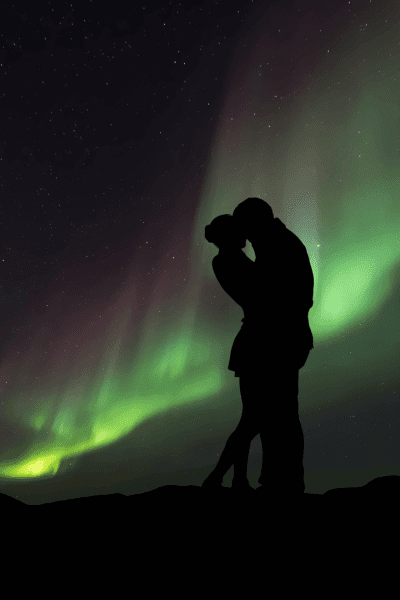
(194, 511)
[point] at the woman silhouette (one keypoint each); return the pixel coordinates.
(236, 274)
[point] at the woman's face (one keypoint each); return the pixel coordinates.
(229, 238)
(231, 244)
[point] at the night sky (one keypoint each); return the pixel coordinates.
(124, 130)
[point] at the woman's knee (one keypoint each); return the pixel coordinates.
(246, 430)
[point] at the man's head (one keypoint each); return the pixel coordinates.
(254, 216)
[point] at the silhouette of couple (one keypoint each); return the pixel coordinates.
(275, 293)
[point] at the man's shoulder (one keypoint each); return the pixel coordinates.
(295, 242)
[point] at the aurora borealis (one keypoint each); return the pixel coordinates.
(122, 137)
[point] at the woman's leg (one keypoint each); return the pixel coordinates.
(249, 396)
(237, 447)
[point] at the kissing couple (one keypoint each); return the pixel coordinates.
(275, 293)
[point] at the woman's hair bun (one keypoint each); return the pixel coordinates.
(222, 227)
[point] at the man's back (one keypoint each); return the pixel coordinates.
(284, 287)
(283, 262)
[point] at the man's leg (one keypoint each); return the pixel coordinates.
(282, 466)
(282, 439)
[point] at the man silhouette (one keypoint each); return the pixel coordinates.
(272, 345)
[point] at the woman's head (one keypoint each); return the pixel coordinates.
(224, 232)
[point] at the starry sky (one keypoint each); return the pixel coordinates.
(124, 131)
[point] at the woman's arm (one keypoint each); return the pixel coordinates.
(235, 276)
